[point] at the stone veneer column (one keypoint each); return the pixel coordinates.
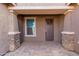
(68, 40)
(14, 40)
(68, 36)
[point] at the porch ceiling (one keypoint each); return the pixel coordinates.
(44, 8)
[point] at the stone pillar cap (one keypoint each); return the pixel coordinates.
(13, 33)
(65, 32)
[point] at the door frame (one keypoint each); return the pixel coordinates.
(52, 27)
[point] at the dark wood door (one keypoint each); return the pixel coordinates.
(49, 35)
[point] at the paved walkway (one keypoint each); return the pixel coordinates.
(41, 49)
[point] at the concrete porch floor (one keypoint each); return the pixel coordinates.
(47, 48)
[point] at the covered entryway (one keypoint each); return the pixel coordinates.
(48, 21)
(45, 28)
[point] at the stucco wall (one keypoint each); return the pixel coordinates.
(71, 21)
(75, 22)
(21, 27)
(40, 27)
(67, 22)
(58, 27)
(4, 22)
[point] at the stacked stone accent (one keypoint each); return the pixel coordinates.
(14, 41)
(77, 45)
(68, 40)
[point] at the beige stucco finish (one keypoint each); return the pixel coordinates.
(4, 28)
(58, 27)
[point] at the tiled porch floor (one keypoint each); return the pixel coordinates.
(41, 49)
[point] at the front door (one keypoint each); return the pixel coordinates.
(49, 35)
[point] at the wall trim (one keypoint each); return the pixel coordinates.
(13, 33)
(65, 32)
